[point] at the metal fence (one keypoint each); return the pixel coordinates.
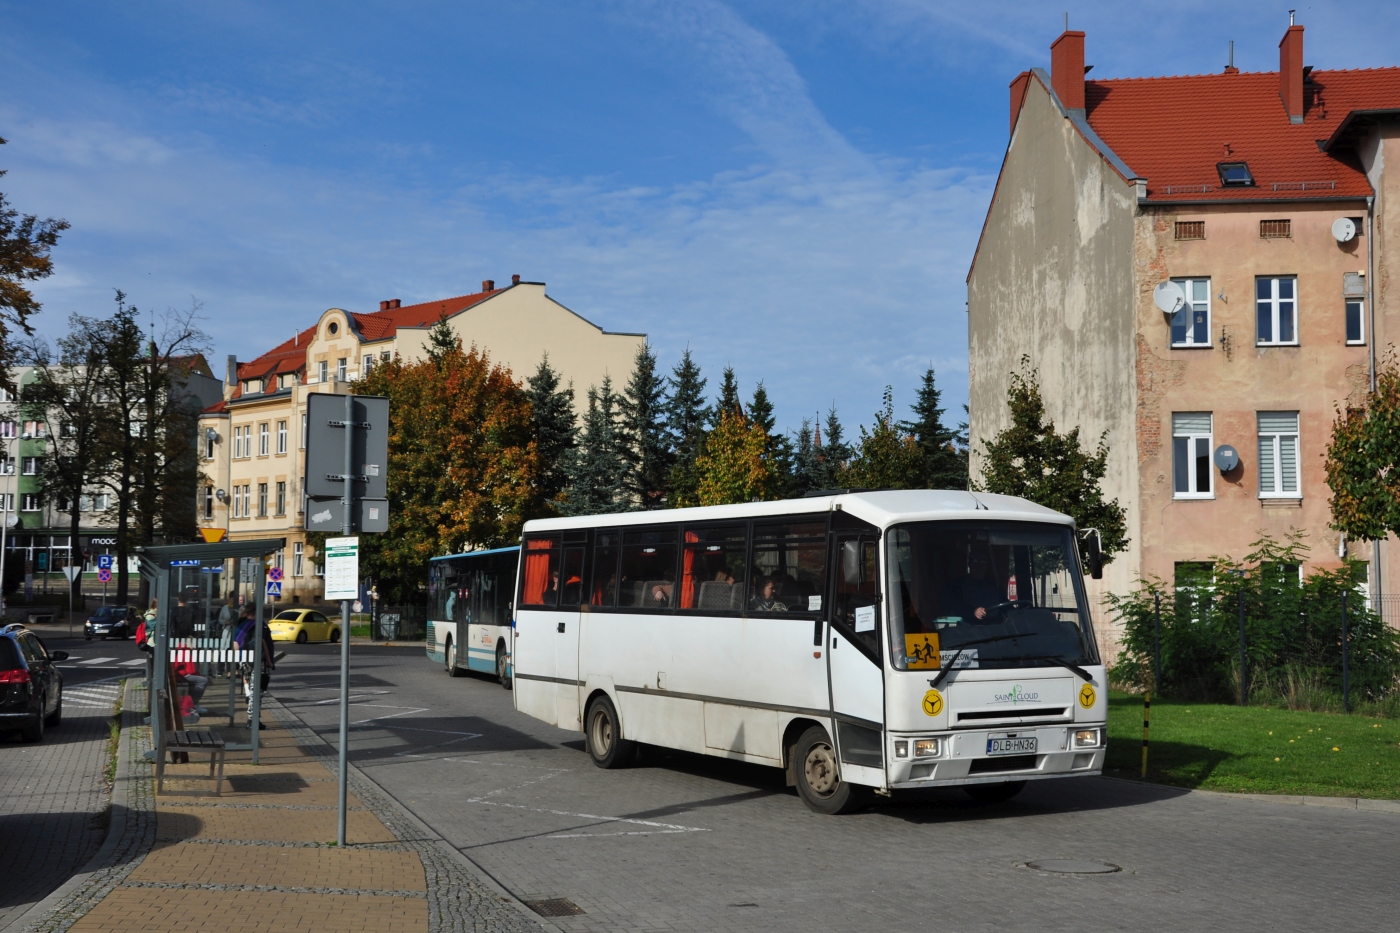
(400, 623)
(1388, 608)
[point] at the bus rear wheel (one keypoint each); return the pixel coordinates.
(818, 776)
(451, 664)
(994, 793)
(603, 736)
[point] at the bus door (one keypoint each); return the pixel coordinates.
(854, 656)
(566, 634)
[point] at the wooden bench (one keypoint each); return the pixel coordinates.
(37, 617)
(179, 742)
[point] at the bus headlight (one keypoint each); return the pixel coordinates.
(1087, 738)
(927, 748)
(901, 748)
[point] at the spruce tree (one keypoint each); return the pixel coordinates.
(806, 465)
(944, 451)
(555, 428)
(595, 483)
(779, 451)
(441, 340)
(728, 402)
(646, 450)
(686, 418)
(833, 452)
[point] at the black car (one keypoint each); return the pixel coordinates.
(112, 622)
(31, 685)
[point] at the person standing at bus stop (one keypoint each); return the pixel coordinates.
(245, 640)
(228, 625)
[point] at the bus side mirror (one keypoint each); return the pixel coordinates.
(1093, 547)
(850, 563)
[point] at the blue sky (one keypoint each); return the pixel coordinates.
(794, 189)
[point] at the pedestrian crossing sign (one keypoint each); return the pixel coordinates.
(274, 588)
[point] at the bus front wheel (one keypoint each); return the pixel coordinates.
(451, 663)
(606, 746)
(818, 775)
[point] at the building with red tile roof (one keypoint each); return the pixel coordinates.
(1195, 265)
(254, 456)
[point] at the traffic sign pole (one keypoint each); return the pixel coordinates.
(348, 498)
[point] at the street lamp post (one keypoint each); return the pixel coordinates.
(9, 464)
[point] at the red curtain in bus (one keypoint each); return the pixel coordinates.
(538, 552)
(688, 571)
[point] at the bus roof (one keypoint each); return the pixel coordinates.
(495, 550)
(879, 508)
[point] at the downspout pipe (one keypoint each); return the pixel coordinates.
(1377, 587)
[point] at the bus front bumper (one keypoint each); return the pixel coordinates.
(963, 757)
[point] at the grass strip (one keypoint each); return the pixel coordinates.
(114, 736)
(1255, 749)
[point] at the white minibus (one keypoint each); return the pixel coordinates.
(863, 641)
(469, 611)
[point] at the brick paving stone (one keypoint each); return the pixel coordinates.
(165, 910)
(53, 813)
(368, 869)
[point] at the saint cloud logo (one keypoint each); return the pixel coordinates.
(1015, 695)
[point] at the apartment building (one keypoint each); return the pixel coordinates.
(1195, 263)
(254, 441)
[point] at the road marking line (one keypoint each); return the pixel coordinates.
(407, 711)
(139, 662)
(659, 828)
(96, 660)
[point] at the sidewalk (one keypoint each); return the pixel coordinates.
(262, 857)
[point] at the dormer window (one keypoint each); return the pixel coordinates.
(333, 328)
(1235, 174)
(252, 386)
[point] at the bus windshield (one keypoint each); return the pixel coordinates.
(986, 595)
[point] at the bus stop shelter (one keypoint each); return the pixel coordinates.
(182, 580)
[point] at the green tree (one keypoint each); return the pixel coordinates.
(728, 400)
(833, 453)
(686, 418)
(806, 461)
(67, 393)
(463, 464)
(1363, 461)
(646, 449)
(119, 436)
(779, 445)
(1031, 459)
(734, 466)
(555, 428)
(886, 458)
(25, 244)
(596, 483)
(943, 450)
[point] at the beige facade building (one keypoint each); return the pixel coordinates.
(1259, 204)
(253, 441)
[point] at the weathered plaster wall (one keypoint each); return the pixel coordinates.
(1053, 280)
(1234, 379)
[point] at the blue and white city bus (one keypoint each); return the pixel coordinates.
(469, 603)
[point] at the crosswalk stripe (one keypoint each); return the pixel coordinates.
(138, 662)
(97, 660)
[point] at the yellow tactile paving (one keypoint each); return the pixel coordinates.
(164, 910)
(294, 791)
(175, 822)
(362, 869)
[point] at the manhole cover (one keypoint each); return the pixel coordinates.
(554, 907)
(1073, 866)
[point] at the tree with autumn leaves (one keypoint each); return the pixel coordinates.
(1363, 461)
(464, 467)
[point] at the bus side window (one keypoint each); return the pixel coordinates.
(571, 578)
(857, 609)
(606, 548)
(540, 588)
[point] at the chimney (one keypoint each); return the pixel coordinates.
(1018, 95)
(1290, 73)
(1230, 69)
(395, 303)
(232, 378)
(488, 285)
(515, 279)
(1067, 68)
(384, 306)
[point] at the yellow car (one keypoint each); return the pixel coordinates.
(302, 626)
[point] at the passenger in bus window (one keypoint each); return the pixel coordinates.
(764, 600)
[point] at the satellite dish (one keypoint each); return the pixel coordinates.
(220, 495)
(1226, 458)
(1169, 296)
(1344, 230)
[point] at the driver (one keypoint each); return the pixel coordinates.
(974, 595)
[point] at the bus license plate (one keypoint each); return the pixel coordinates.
(1011, 745)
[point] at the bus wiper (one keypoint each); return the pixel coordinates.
(1088, 678)
(944, 671)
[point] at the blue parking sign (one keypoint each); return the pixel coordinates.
(104, 561)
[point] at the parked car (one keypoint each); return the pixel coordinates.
(302, 626)
(112, 622)
(31, 685)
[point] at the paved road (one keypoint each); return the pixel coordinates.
(692, 843)
(53, 809)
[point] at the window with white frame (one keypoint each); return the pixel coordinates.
(29, 502)
(1192, 477)
(208, 501)
(282, 498)
(1278, 455)
(281, 437)
(340, 369)
(263, 436)
(323, 371)
(209, 436)
(7, 466)
(367, 364)
(31, 466)
(36, 429)
(303, 430)
(1276, 310)
(7, 501)
(1356, 316)
(298, 558)
(8, 429)
(101, 502)
(262, 500)
(1191, 323)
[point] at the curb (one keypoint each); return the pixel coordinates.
(1368, 804)
(130, 836)
(443, 897)
(367, 642)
